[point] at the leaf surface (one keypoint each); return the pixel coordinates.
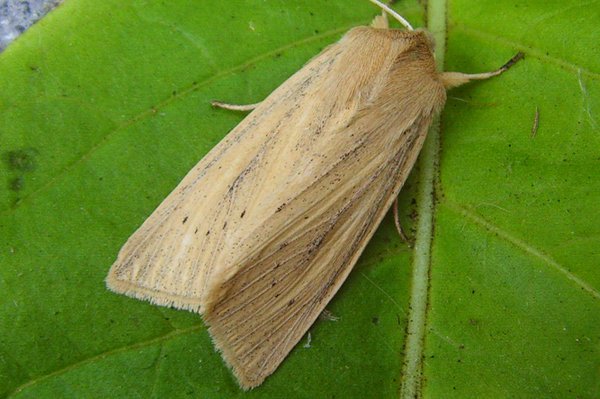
(105, 106)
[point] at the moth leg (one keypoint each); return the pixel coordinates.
(454, 79)
(398, 226)
(234, 107)
(328, 316)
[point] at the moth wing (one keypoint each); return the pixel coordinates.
(286, 270)
(171, 258)
(258, 314)
(264, 230)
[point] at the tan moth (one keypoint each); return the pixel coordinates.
(262, 232)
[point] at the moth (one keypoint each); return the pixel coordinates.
(263, 231)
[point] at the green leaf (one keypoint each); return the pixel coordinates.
(515, 284)
(105, 106)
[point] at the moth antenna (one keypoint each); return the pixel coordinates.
(454, 79)
(393, 13)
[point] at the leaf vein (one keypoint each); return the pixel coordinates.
(528, 50)
(524, 246)
(151, 111)
(104, 355)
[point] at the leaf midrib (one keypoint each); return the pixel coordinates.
(412, 372)
(428, 172)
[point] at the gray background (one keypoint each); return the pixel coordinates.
(18, 15)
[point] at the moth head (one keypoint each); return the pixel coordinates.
(428, 37)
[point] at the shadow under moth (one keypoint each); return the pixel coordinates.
(263, 231)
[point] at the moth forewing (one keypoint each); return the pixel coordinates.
(263, 231)
(369, 135)
(256, 328)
